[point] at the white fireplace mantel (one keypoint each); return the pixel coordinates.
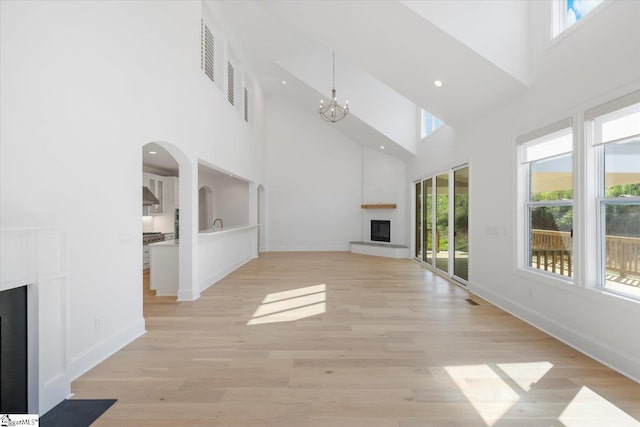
(37, 258)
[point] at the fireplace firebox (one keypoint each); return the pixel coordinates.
(13, 351)
(380, 230)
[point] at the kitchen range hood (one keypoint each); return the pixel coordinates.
(148, 199)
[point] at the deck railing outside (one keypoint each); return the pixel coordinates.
(623, 255)
(552, 251)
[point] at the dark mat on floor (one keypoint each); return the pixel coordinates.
(76, 412)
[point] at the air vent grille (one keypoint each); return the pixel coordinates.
(207, 51)
(230, 84)
(246, 105)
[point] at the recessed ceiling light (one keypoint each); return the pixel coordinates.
(284, 83)
(382, 146)
(153, 152)
(438, 83)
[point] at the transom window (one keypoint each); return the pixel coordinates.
(568, 12)
(430, 123)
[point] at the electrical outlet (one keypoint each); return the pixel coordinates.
(99, 322)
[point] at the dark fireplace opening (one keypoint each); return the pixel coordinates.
(13, 351)
(380, 230)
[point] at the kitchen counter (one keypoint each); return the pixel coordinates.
(164, 275)
(213, 232)
(165, 243)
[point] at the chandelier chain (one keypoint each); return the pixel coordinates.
(332, 112)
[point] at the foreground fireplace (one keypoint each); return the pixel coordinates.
(380, 230)
(13, 351)
(34, 311)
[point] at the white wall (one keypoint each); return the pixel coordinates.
(84, 86)
(313, 182)
(583, 69)
(384, 183)
(317, 179)
(496, 29)
(222, 252)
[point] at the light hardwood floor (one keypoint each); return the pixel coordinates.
(393, 345)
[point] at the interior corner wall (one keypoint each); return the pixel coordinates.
(313, 181)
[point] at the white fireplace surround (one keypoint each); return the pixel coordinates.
(37, 258)
(378, 248)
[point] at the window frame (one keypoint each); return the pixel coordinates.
(558, 19)
(597, 146)
(525, 204)
(421, 256)
(423, 130)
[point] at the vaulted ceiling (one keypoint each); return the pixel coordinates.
(390, 53)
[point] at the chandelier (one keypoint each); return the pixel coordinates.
(332, 112)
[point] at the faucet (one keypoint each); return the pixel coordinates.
(221, 224)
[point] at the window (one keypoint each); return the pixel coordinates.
(605, 212)
(568, 12)
(430, 123)
(616, 138)
(547, 174)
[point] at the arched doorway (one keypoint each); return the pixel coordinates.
(182, 214)
(205, 208)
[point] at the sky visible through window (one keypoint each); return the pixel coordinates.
(576, 9)
(429, 123)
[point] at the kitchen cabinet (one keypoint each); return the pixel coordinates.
(165, 188)
(146, 257)
(164, 273)
(156, 185)
(172, 194)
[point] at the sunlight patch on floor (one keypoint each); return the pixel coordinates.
(526, 374)
(486, 387)
(291, 305)
(489, 394)
(588, 408)
(307, 290)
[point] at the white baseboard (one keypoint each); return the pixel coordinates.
(625, 364)
(187, 295)
(92, 356)
(167, 293)
(308, 248)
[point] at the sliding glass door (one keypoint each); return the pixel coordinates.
(441, 243)
(461, 223)
(418, 221)
(442, 222)
(427, 212)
